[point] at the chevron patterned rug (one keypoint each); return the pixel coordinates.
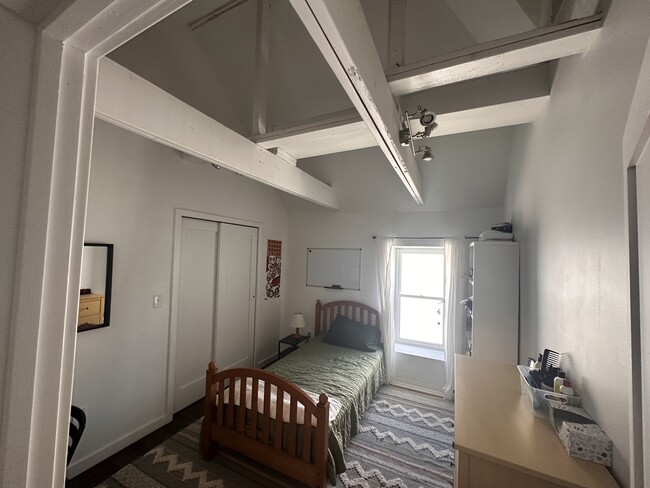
(405, 440)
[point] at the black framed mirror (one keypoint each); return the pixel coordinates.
(95, 286)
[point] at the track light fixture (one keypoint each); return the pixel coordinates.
(427, 120)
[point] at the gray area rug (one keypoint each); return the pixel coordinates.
(405, 440)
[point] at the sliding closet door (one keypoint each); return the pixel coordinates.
(196, 302)
(236, 281)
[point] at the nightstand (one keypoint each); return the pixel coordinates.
(293, 341)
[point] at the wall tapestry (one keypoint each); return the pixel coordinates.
(273, 265)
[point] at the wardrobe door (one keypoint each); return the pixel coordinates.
(236, 282)
(196, 302)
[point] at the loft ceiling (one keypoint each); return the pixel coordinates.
(312, 77)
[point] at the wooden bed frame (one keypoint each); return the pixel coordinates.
(327, 312)
(260, 437)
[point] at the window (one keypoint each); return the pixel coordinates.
(420, 289)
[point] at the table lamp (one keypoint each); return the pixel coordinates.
(297, 322)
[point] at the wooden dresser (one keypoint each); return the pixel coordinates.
(499, 443)
(91, 309)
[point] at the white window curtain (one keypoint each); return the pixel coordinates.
(453, 315)
(385, 280)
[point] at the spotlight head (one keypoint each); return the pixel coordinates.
(427, 118)
(426, 153)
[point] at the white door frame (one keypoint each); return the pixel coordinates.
(42, 341)
(179, 214)
(640, 340)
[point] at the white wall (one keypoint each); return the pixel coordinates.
(16, 59)
(566, 198)
(120, 370)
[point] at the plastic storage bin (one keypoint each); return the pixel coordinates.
(538, 400)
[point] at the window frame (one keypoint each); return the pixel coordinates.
(432, 247)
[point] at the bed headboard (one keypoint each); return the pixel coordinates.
(327, 312)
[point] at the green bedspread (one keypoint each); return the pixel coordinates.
(349, 375)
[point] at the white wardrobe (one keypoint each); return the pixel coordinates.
(214, 302)
(493, 308)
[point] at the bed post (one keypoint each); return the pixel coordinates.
(322, 440)
(209, 407)
(317, 320)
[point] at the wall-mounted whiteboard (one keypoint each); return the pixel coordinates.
(334, 268)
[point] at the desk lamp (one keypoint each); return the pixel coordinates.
(297, 322)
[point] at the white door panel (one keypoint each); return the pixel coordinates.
(195, 324)
(236, 271)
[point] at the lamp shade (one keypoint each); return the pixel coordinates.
(297, 322)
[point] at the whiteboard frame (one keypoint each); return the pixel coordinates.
(334, 286)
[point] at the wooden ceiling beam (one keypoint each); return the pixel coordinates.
(340, 31)
(516, 97)
(325, 134)
(507, 54)
(131, 102)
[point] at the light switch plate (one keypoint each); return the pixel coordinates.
(157, 299)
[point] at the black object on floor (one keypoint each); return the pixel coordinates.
(113, 464)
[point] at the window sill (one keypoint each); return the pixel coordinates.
(422, 352)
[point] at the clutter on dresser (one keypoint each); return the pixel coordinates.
(503, 227)
(580, 435)
(498, 232)
(548, 392)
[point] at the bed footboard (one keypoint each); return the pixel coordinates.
(290, 436)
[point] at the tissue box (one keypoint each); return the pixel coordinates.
(580, 435)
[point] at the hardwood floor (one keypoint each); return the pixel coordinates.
(113, 464)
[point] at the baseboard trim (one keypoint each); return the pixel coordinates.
(417, 388)
(87, 462)
(265, 362)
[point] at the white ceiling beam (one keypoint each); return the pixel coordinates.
(308, 143)
(516, 97)
(340, 31)
(491, 116)
(510, 53)
(326, 134)
(81, 26)
(131, 102)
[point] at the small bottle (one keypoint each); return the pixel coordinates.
(538, 364)
(566, 389)
(558, 381)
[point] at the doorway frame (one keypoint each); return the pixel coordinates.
(179, 214)
(639, 152)
(42, 339)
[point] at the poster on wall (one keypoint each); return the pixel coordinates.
(273, 267)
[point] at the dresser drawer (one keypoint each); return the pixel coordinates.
(89, 319)
(89, 307)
